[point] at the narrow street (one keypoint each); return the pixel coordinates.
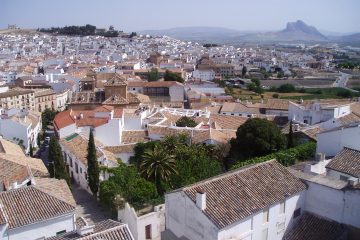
(87, 206)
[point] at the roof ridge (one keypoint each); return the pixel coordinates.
(51, 194)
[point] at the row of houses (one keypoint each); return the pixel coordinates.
(34, 206)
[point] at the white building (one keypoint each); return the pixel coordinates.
(330, 198)
(106, 122)
(316, 112)
(333, 141)
(345, 166)
(62, 99)
(74, 149)
(144, 225)
(40, 212)
(21, 126)
(106, 229)
(237, 205)
(204, 75)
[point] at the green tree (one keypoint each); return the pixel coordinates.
(290, 142)
(47, 116)
(139, 151)
(158, 166)
(185, 121)
(257, 137)
(286, 88)
(57, 167)
(133, 34)
(170, 76)
(93, 165)
(153, 75)
(194, 163)
(243, 71)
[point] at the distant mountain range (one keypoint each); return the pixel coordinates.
(294, 32)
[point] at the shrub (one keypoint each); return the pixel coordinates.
(275, 95)
(286, 157)
(286, 88)
(186, 122)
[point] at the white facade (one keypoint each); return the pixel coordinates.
(204, 75)
(338, 204)
(332, 142)
(316, 112)
(184, 218)
(62, 99)
(15, 126)
(177, 93)
(43, 229)
(152, 223)
(109, 134)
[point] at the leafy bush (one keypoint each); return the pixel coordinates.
(275, 95)
(286, 157)
(286, 88)
(186, 122)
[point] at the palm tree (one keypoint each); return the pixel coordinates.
(158, 166)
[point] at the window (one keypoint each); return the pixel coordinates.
(266, 216)
(264, 234)
(61, 232)
(282, 207)
(148, 231)
(85, 175)
(76, 168)
(80, 170)
(344, 178)
(297, 212)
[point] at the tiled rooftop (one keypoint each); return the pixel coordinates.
(238, 194)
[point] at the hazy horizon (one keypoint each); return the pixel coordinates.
(242, 15)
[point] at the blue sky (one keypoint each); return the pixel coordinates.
(133, 15)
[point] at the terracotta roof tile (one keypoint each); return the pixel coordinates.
(347, 161)
(311, 227)
(107, 229)
(238, 194)
(27, 205)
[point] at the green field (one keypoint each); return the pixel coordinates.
(324, 93)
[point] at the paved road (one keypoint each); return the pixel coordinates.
(342, 80)
(87, 206)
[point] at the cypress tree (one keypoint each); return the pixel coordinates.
(57, 165)
(290, 143)
(93, 165)
(31, 150)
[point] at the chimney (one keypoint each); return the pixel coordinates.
(86, 229)
(200, 198)
(353, 182)
(14, 185)
(320, 157)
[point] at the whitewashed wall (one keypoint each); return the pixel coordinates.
(137, 224)
(47, 228)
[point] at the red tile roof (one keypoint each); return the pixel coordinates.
(28, 205)
(238, 194)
